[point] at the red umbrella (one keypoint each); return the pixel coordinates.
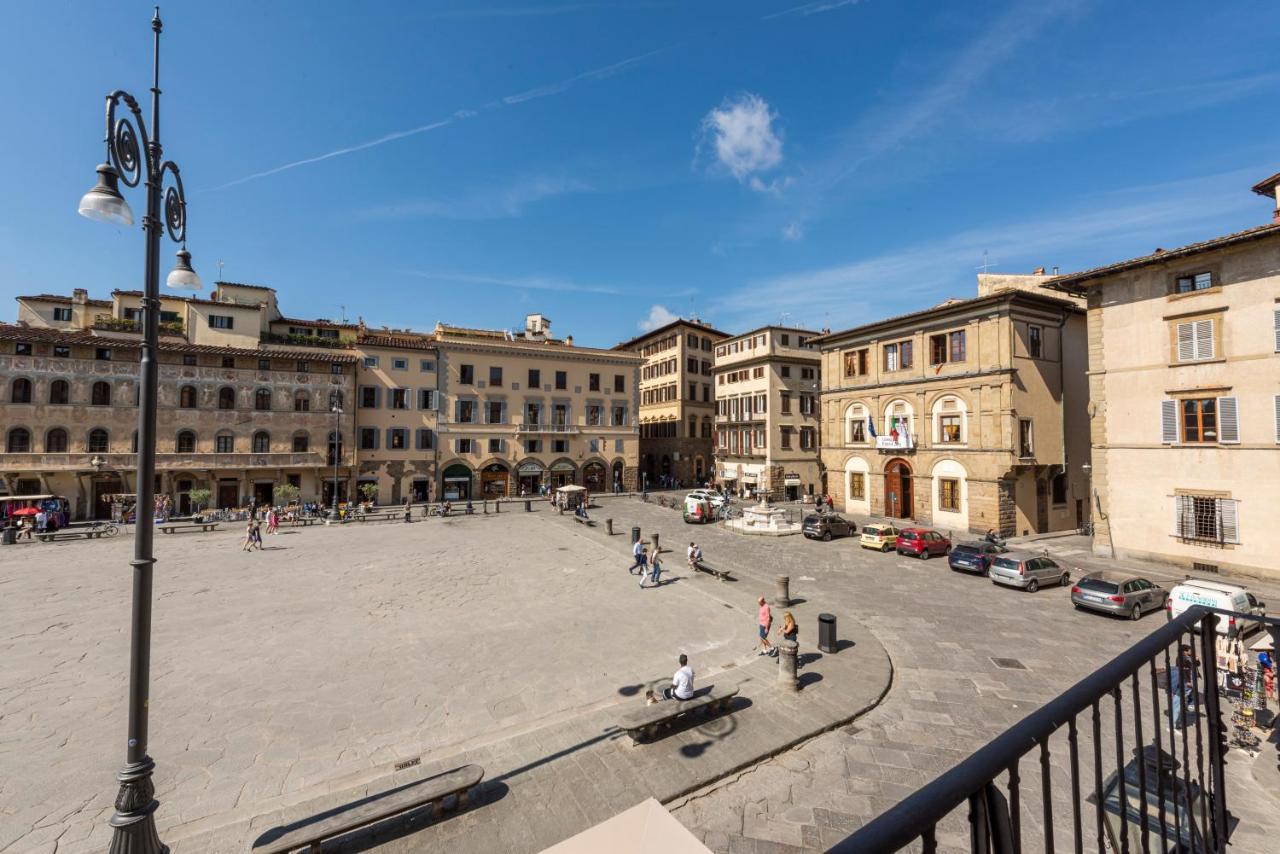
(25, 511)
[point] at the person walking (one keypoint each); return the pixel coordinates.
(790, 632)
(273, 521)
(655, 566)
(637, 551)
(764, 622)
(247, 545)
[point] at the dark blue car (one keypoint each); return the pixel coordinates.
(974, 557)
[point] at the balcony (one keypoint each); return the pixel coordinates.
(108, 323)
(525, 429)
(77, 461)
(304, 341)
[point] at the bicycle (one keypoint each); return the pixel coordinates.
(104, 530)
(1086, 529)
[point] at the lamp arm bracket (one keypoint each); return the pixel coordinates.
(175, 203)
(127, 142)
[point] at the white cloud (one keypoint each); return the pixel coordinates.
(808, 9)
(741, 130)
(792, 231)
(658, 316)
(488, 202)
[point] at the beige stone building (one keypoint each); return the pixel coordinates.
(236, 415)
(767, 383)
(520, 410)
(396, 401)
(970, 415)
(677, 401)
(1184, 366)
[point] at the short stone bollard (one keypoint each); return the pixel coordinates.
(485, 507)
(657, 549)
(497, 505)
(528, 505)
(782, 593)
(608, 526)
(787, 679)
(635, 534)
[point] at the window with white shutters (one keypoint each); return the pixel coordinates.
(1195, 340)
(1277, 403)
(1206, 519)
(1228, 422)
(1168, 421)
(1277, 328)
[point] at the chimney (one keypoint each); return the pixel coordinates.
(1270, 188)
(80, 309)
(568, 341)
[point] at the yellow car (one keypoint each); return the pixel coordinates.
(880, 537)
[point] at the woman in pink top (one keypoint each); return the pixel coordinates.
(766, 623)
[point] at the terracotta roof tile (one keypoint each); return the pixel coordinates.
(101, 303)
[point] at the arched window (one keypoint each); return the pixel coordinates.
(301, 402)
(55, 441)
(855, 424)
(226, 398)
(19, 441)
(59, 392)
(99, 441)
(900, 418)
(335, 400)
(187, 397)
(224, 442)
(262, 442)
(101, 394)
(21, 390)
(186, 443)
(950, 422)
(262, 399)
(301, 442)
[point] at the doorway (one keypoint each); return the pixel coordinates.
(457, 483)
(228, 494)
(493, 481)
(420, 490)
(1042, 505)
(184, 497)
(103, 487)
(263, 493)
(897, 490)
(326, 491)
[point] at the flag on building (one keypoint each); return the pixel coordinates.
(871, 426)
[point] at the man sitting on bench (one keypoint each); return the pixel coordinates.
(681, 687)
(581, 512)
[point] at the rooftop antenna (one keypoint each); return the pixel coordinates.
(343, 309)
(220, 269)
(782, 317)
(987, 264)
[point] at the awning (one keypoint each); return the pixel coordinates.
(571, 488)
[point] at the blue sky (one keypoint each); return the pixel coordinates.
(613, 164)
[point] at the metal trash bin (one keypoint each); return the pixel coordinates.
(827, 632)
(528, 505)
(635, 534)
(8, 535)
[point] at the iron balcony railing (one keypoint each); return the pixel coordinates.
(1153, 798)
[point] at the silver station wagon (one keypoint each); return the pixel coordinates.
(1028, 571)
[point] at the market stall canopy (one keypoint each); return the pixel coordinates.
(25, 511)
(572, 487)
(646, 828)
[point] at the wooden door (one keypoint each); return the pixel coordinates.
(897, 490)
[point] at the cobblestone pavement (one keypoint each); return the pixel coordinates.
(314, 661)
(947, 634)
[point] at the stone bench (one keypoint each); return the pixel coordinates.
(68, 535)
(590, 523)
(432, 790)
(643, 724)
(309, 520)
(722, 574)
(180, 529)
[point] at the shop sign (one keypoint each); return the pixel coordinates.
(530, 468)
(902, 442)
(562, 466)
(789, 477)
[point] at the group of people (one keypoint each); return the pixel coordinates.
(649, 566)
(253, 530)
(764, 621)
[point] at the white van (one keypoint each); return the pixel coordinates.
(1216, 594)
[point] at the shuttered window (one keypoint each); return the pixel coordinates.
(1277, 403)
(1277, 327)
(1195, 340)
(1206, 519)
(1168, 421)
(1228, 422)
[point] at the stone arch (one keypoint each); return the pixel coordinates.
(21, 390)
(185, 442)
(855, 423)
(98, 441)
(949, 419)
(595, 475)
(949, 494)
(899, 489)
(57, 441)
(857, 485)
(18, 441)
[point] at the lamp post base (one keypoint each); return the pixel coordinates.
(134, 821)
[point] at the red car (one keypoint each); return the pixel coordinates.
(921, 542)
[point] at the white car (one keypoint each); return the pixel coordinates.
(714, 498)
(1216, 594)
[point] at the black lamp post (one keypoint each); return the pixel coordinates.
(132, 155)
(336, 447)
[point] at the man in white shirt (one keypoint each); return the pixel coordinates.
(637, 551)
(681, 683)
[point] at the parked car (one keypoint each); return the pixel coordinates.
(714, 498)
(921, 542)
(1027, 570)
(1119, 594)
(882, 538)
(824, 527)
(697, 510)
(1218, 594)
(974, 557)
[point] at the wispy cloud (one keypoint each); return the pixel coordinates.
(533, 283)
(457, 116)
(503, 201)
(810, 9)
(1095, 230)
(742, 135)
(793, 231)
(539, 10)
(659, 315)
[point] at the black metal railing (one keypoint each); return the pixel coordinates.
(1172, 799)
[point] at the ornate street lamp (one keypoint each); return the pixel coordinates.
(133, 155)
